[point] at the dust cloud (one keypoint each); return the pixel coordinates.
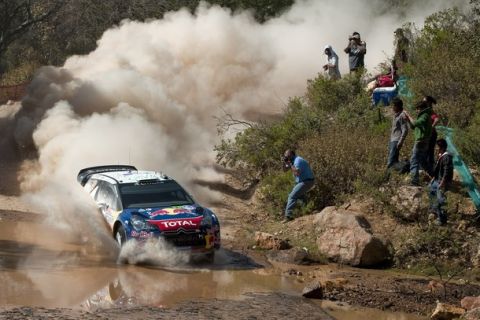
(149, 95)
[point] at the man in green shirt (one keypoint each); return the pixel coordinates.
(422, 131)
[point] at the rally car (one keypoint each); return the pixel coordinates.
(145, 204)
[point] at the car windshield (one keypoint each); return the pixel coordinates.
(161, 194)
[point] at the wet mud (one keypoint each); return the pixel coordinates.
(48, 273)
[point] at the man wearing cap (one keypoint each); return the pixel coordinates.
(304, 180)
(331, 67)
(423, 129)
(356, 51)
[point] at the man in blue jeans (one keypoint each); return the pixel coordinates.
(304, 180)
(422, 129)
(442, 177)
(398, 133)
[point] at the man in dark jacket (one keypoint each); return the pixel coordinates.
(442, 177)
(423, 130)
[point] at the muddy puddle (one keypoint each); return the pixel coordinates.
(43, 267)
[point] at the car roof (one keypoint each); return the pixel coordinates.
(130, 176)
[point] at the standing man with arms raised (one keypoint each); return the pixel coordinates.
(304, 180)
(356, 51)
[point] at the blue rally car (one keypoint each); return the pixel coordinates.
(145, 204)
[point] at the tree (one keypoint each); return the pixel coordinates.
(19, 16)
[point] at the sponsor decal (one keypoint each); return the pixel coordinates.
(141, 234)
(178, 223)
(171, 211)
(175, 224)
(209, 241)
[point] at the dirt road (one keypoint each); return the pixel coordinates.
(45, 273)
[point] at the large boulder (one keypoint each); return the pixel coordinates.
(410, 203)
(268, 241)
(445, 311)
(344, 236)
(290, 256)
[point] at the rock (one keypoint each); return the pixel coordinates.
(268, 241)
(291, 256)
(333, 284)
(445, 311)
(410, 203)
(313, 290)
(344, 236)
(470, 303)
(473, 314)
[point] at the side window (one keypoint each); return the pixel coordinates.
(92, 187)
(107, 194)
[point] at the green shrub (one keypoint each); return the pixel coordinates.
(468, 139)
(446, 56)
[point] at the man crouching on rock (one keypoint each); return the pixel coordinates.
(304, 180)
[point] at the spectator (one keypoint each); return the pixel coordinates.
(423, 131)
(304, 180)
(399, 132)
(331, 66)
(356, 51)
(442, 177)
(433, 138)
(386, 79)
(402, 45)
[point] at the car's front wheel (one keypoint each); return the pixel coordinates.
(120, 235)
(210, 257)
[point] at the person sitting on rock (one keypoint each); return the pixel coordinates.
(387, 79)
(442, 178)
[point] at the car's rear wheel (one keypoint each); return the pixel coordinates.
(120, 235)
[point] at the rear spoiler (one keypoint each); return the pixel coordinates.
(84, 174)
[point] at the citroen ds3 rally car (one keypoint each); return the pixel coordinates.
(145, 204)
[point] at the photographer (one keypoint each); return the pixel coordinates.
(304, 180)
(356, 51)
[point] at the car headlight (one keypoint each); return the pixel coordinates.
(139, 224)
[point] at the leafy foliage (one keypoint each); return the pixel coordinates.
(445, 65)
(333, 127)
